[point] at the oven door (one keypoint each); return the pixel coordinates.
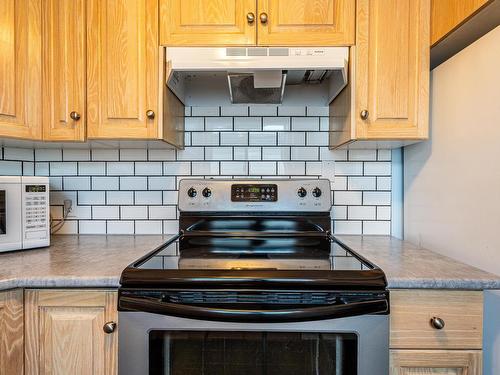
(158, 344)
(10, 214)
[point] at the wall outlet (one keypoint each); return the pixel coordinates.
(328, 170)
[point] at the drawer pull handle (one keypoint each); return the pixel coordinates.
(109, 327)
(437, 323)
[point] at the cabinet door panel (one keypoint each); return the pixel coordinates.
(207, 22)
(64, 332)
(429, 362)
(11, 333)
(392, 69)
(63, 70)
(307, 22)
(122, 68)
(20, 69)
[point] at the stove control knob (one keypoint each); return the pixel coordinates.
(206, 192)
(302, 192)
(316, 192)
(192, 192)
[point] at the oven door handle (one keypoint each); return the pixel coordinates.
(151, 305)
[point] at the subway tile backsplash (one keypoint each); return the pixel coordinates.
(130, 190)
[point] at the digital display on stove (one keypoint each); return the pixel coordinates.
(254, 193)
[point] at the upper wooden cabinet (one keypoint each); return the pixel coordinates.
(20, 69)
(11, 333)
(64, 80)
(122, 69)
(261, 22)
(64, 332)
(389, 75)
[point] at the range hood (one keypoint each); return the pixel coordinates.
(255, 74)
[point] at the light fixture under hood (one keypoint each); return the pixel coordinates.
(254, 74)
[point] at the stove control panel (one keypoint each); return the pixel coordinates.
(263, 195)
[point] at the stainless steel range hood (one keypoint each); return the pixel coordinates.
(255, 74)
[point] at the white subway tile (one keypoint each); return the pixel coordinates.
(324, 124)
(170, 227)
(105, 155)
(384, 213)
(384, 155)
(276, 123)
(92, 168)
(318, 111)
(149, 168)
(133, 183)
(92, 227)
(205, 139)
(170, 197)
(218, 153)
(134, 212)
(19, 154)
(148, 227)
(120, 168)
(291, 110)
(247, 153)
(161, 183)
(218, 123)
(176, 168)
(187, 139)
(76, 155)
(28, 168)
(120, 227)
(91, 197)
(291, 168)
(262, 168)
(204, 168)
(120, 198)
(148, 197)
(205, 111)
(305, 153)
(305, 123)
(317, 139)
(262, 139)
(68, 168)
(377, 198)
(327, 154)
(105, 183)
(347, 198)
(314, 168)
(80, 212)
(69, 227)
(11, 168)
(105, 212)
(276, 153)
(55, 183)
(41, 169)
(291, 139)
(384, 183)
(133, 154)
(347, 227)
(339, 183)
(190, 153)
(263, 110)
(247, 123)
(339, 212)
(362, 155)
(57, 198)
(378, 168)
(194, 124)
(234, 138)
(48, 155)
(187, 111)
(233, 168)
(161, 154)
(362, 183)
(377, 228)
(163, 212)
(361, 213)
(76, 183)
(234, 110)
(349, 168)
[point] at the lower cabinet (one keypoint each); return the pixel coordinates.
(428, 362)
(71, 332)
(11, 332)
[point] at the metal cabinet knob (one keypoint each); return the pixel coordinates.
(109, 327)
(364, 114)
(250, 17)
(263, 17)
(75, 116)
(437, 323)
(150, 114)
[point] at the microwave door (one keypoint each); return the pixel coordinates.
(10, 217)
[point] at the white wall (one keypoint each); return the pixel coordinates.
(452, 182)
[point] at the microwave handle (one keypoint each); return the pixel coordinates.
(150, 305)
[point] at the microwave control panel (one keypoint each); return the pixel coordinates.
(36, 211)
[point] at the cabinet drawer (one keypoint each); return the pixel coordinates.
(412, 311)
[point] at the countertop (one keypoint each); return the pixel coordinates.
(409, 266)
(90, 261)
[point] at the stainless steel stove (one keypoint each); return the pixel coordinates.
(254, 265)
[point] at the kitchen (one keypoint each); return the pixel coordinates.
(241, 186)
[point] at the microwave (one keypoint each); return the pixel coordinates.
(24, 212)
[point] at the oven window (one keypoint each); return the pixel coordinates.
(252, 353)
(3, 210)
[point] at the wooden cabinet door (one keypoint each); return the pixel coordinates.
(20, 69)
(207, 22)
(122, 69)
(64, 332)
(392, 69)
(306, 22)
(63, 38)
(428, 362)
(11, 333)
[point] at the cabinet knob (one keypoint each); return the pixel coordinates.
(364, 114)
(437, 323)
(263, 18)
(75, 116)
(109, 327)
(150, 114)
(250, 17)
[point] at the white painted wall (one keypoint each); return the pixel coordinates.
(452, 182)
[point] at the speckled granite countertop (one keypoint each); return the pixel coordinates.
(408, 266)
(75, 261)
(89, 261)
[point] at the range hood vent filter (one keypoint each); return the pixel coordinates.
(242, 90)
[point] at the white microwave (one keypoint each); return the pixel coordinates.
(24, 212)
